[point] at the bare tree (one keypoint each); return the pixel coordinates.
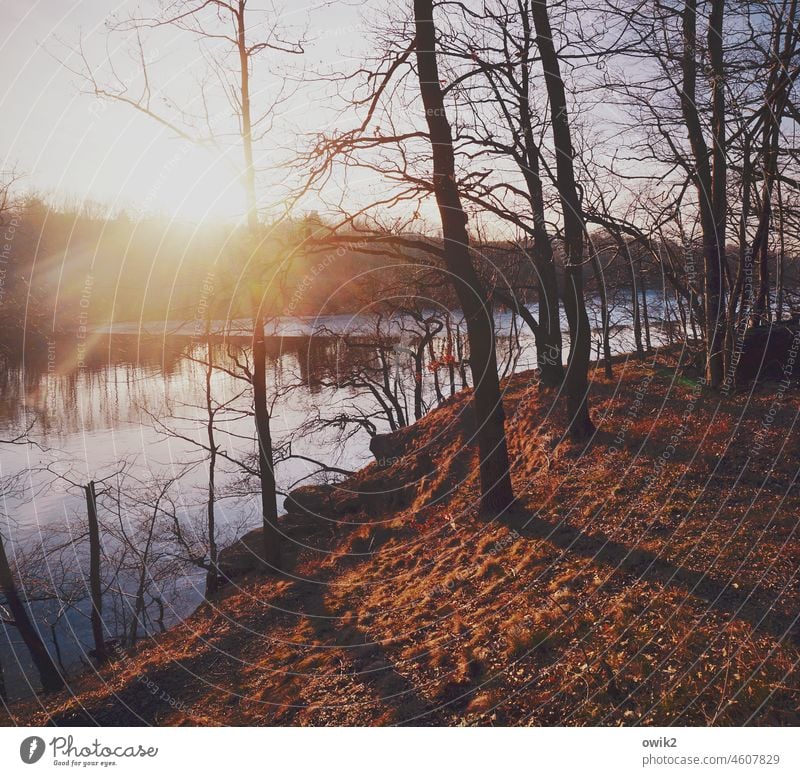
(496, 489)
(49, 675)
(95, 586)
(709, 176)
(576, 378)
(498, 47)
(18, 615)
(227, 23)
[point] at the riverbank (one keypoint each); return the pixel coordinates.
(649, 578)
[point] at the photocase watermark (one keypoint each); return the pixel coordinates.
(31, 750)
(51, 379)
(83, 329)
(783, 386)
(154, 688)
(632, 414)
(308, 279)
(741, 333)
(676, 437)
(201, 315)
(386, 462)
(9, 233)
(65, 752)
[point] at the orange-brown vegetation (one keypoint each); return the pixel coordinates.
(649, 577)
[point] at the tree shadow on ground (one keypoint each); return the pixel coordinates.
(750, 604)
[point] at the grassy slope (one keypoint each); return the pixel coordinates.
(652, 583)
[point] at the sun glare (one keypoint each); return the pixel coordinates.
(193, 184)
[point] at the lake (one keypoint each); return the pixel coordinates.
(133, 397)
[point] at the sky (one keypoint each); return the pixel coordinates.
(70, 146)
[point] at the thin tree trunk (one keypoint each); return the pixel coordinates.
(668, 325)
(710, 183)
(715, 290)
(158, 601)
(761, 308)
(95, 585)
(548, 336)
(49, 675)
(212, 577)
(57, 648)
(437, 386)
(269, 508)
(645, 313)
(462, 370)
(637, 315)
(495, 477)
(776, 96)
(576, 383)
(732, 319)
(605, 322)
(780, 258)
(269, 505)
(144, 572)
(419, 356)
(451, 356)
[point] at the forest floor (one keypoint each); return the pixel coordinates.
(649, 577)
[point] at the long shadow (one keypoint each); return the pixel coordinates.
(749, 604)
(186, 682)
(368, 659)
(143, 700)
(182, 684)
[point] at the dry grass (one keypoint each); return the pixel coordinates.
(645, 588)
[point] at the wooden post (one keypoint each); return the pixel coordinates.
(95, 587)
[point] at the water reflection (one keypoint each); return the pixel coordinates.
(129, 397)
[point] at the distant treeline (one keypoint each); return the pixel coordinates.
(72, 270)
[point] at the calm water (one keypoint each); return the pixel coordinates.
(92, 404)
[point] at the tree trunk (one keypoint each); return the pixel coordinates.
(731, 320)
(548, 336)
(419, 357)
(269, 509)
(495, 477)
(710, 183)
(437, 387)
(605, 322)
(549, 346)
(451, 355)
(716, 272)
(636, 311)
(576, 383)
(269, 505)
(682, 316)
(49, 675)
(777, 94)
(57, 648)
(780, 258)
(645, 313)
(212, 576)
(95, 586)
